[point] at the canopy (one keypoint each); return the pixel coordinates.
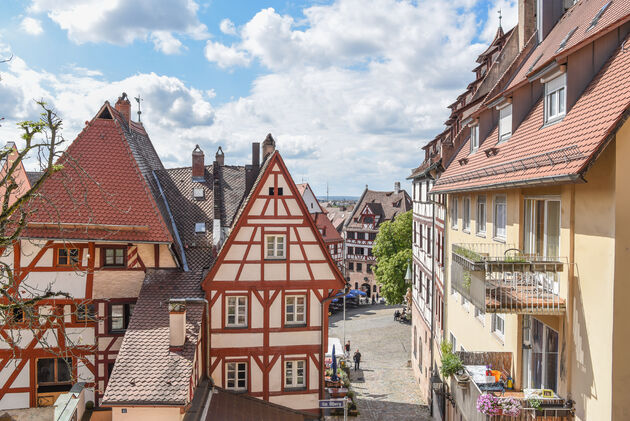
(358, 292)
(336, 343)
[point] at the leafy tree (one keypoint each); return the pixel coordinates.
(392, 249)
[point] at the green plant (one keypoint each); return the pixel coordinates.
(534, 403)
(89, 405)
(451, 363)
(351, 394)
(467, 279)
(467, 253)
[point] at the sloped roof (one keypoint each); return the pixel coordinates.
(146, 370)
(323, 223)
(33, 176)
(386, 204)
(578, 18)
(301, 188)
(101, 184)
(561, 150)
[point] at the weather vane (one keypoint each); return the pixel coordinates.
(138, 99)
(500, 17)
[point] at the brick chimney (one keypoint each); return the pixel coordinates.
(219, 157)
(255, 154)
(123, 106)
(268, 146)
(526, 21)
(198, 164)
(177, 323)
(397, 187)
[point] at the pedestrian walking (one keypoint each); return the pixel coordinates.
(357, 360)
(348, 349)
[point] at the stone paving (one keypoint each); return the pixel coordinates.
(385, 386)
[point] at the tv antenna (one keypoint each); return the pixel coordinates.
(138, 99)
(500, 17)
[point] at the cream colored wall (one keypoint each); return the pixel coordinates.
(621, 312)
(153, 413)
(117, 283)
(297, 401)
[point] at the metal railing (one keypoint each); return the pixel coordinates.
(501, 279)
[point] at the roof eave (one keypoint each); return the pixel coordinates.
(556, 179)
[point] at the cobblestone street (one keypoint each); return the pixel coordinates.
(385, 386)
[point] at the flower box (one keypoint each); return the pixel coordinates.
(337, 392)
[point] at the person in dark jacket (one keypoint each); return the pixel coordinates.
(357, 360)
(348, 349)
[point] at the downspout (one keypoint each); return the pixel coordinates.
(570, 292)
(433, 307)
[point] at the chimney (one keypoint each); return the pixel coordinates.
(397, 187)
(268, 146)
(219, 157)
(255, 154)
(198, 164)
(526, 21)
(177, 323)
(123, 106)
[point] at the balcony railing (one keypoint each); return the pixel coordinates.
(501, 279)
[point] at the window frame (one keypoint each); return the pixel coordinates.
(69, 264)
(237, 369)
(113, 265)
(86, 316)
(466, 214)
(496, 330)
(453, 213)
(286, 313)
(56, 380)
(479, 231)
(474, 138)
(236, 325)
(126, 317)
(495, 203)
(275, 246)
(504, 136)
(555, 86)
(294, 374)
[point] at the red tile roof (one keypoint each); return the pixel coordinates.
(323, 224)
(301, 188)
(101, 185)
(559, 151)
(579, 17)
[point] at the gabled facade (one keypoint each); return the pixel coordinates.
(268, 292)
(359, 233)
(536, 208)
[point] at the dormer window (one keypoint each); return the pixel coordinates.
(505, 123)
(198, 193)
(200, 227)
(555, 98)
(474, 138)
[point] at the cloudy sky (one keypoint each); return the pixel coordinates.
(350, 89)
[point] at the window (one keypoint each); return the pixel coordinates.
(498, 325)
(500, 217)
(198, 193)
(52, 371)
(67, 257)
(542, 227)
(466, 214)
(275, 246)
(415, 341)
(295, 309)
(281, 191)
(481, 215)
(555, 98)
(454, 213)
(119, 316)
(505, 123)
(86, 312)
(114, 256)
(271, 190)
(200, 227)
(356, 285)
(359, 267)
(540, 355)
(359, 251)
(474, 138)
(480, 315)
(236, 376)
(420, 353)
(236, 311)
(453, 341)
(294, 374)
(368, 268)
(351, 267)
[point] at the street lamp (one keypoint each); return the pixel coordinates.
(408, 274)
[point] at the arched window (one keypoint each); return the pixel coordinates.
(415, 341)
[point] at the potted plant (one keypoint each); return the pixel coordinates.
(451, 363)
(511, 406)
(488, 404)
(535, 403)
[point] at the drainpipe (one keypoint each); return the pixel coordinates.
(431, 342)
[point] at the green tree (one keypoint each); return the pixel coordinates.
(392, 249)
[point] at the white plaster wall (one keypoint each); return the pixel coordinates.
(257, 207)
(250, 272)
(30, 248)
(275, 377)
(313, 251)
(80, 335)
(236, 252)
(294, 338)
(147, 414)
(306, 401)
(322, 271)
(275, 312)
(313, 375)
(311, 201)
(275, 271)
(14, 401)
(227, 272)
(217, 373)
(271, 208)
(294, 208)
(299, 272)
(244, 234)
(47, 340)
(296, 252)
(268, 183)
(315, 309)
(70, 282)
(215, 313)
(282, 182)
(254, 252)
(83, 372)
(257, 378)
(7, 256)
(21, 337)
(22, 380)
(257, 313)
(306, 234)
(232, 340)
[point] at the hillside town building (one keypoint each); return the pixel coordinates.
(360, 229)
(536, 249)
(173, 277)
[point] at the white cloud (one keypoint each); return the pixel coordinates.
(509, 13)
(31, 26)
(227, 27)
(122, 22)
(225, 56)
(165, 42)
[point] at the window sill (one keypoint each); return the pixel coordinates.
(235, 327)
(276, 259)
(499, 338)
(499, 239)
(294, 389)
(481, 234)
(292, 325)
(552, 121)
(467, 231)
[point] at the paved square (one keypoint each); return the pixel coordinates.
(385, 386)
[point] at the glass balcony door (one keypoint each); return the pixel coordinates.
(540, 355)
(542, 227)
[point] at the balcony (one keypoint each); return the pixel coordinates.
(501, 279)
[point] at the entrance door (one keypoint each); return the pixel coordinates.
(540, 355)
(366, 287)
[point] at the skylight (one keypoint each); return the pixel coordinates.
(198, 192)
(598, 16)
(566, 39)
(200, 227)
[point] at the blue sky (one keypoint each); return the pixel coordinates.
(350, 89)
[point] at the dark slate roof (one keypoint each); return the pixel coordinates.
(232, 184)
(226, 405)
(33, 176)
(146, 370)
(386, 204)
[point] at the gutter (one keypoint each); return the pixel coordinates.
(568, 178)
(170, 215)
